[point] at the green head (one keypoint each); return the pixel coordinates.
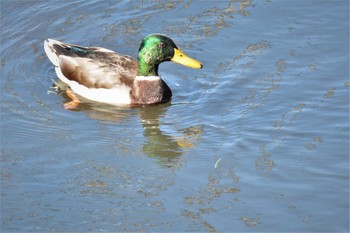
(157, 48)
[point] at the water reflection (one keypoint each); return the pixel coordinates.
(158, 143)
(165, 145)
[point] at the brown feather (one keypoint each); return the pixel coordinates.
(96, 67)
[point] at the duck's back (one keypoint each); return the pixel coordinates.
(92, 67)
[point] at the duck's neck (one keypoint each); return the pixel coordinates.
(146, 69)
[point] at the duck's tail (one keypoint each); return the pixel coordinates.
(51, 51)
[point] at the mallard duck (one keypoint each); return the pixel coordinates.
(103, 75)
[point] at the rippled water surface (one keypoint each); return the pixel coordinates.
(256, 141)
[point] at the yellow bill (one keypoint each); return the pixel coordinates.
(183, 59)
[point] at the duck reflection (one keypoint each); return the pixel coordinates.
(166, 146)
(159, 144)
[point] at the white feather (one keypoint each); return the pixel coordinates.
(115, 96)
(49, 52)
(147, 78)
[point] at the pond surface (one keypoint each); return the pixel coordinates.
(256, 141)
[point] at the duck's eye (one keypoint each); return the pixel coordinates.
(162, 44)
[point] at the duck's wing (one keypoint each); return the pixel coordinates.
(92, 67)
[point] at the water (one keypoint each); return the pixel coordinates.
(256, 141)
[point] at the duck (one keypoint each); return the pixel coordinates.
(102, 75)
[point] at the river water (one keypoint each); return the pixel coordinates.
(256, 141)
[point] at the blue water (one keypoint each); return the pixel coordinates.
(256, 141)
